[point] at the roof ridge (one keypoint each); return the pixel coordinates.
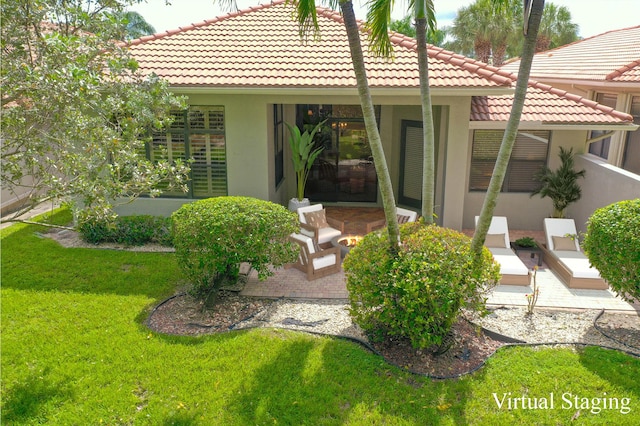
(581, 100)
(623, 69)
(204, 23)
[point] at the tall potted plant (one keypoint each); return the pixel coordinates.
(303, 155)
(561, 185)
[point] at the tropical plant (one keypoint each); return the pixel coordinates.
(418, 293)
(560, 185)
(303, 154)
(405, 26)
(533, 16)
(212, 237)
(526, 242)
(76, 113)
(135, 25)
(612, 245)
(556, 28)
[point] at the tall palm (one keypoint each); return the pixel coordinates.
(533, 12)
(556, 28)
(378, 18)
(308, 22)
(405, 26)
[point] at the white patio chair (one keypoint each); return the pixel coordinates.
(563, 254)
(512, 269)
(314, 223)
(403, 215)
(315, 264)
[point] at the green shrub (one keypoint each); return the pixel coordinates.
(127, 230)
(612, 244)
(418, 293)
(213, 237)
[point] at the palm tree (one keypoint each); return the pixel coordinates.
(532, 19)
(308, 22)
(378, 18)
(404, 26)
(556, 28)
(560, 185)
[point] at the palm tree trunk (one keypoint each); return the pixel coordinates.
(428, 165)
(509, 138)
(368, 112)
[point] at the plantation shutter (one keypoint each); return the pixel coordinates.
(529, 155)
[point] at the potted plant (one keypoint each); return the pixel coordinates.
(525, 242)
(560, 185)
(303, 154)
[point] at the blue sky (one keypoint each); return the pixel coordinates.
(593, 16)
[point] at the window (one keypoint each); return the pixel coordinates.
(601, 148)
(631, 160)
(198, 134)
(529, 155)
(278, 142)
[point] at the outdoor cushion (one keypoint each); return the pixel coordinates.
(510, 263)
(577, 263)
(495, 240)
(324, 261)
(563, 243)
(327, 234)
(317, 219)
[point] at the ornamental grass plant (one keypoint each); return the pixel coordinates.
(75, 350)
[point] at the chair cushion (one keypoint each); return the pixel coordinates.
(324, 261)
(564, 243)
(510, 263)
(577, 263)
(325, 235)
(317, 219)
(495, 240)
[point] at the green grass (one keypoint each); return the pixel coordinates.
(75, 351)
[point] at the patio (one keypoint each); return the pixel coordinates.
(554, 294)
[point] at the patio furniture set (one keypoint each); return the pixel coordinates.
(561, 252)
(323, 244)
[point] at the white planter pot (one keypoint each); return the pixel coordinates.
(294, 203)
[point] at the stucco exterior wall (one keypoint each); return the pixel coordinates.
(603, 184)
(523, 211)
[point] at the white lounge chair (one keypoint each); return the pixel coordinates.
(314, 263)
(562, 254)
(513, 270)
(328, 229)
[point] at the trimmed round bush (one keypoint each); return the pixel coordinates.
(612, 245)
(213, 237)
(419, 292)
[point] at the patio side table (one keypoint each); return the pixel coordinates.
(535, 251)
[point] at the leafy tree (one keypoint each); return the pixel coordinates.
(612, 245)
(135, 25)
(76, 113)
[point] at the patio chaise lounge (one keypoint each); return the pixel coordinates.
(512, 269)
(563, 255)
(313, 262)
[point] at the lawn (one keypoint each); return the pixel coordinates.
(75, 350)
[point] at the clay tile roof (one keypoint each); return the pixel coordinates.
(261, 47)
(611, 56)
(548, 105)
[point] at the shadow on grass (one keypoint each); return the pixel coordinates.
(32, 262)
(32, 398)
(615, 367)
(337, 381)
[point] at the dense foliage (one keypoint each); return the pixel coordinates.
(127, 230)
(213, 237)
(76, 111)
(612, 244)
(418, 293)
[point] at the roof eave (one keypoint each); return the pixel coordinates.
(532, 125)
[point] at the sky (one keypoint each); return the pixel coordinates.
(593, 16)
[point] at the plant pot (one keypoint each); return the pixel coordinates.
(295, 204)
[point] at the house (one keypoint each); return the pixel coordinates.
(604, 68)
(247, 73)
